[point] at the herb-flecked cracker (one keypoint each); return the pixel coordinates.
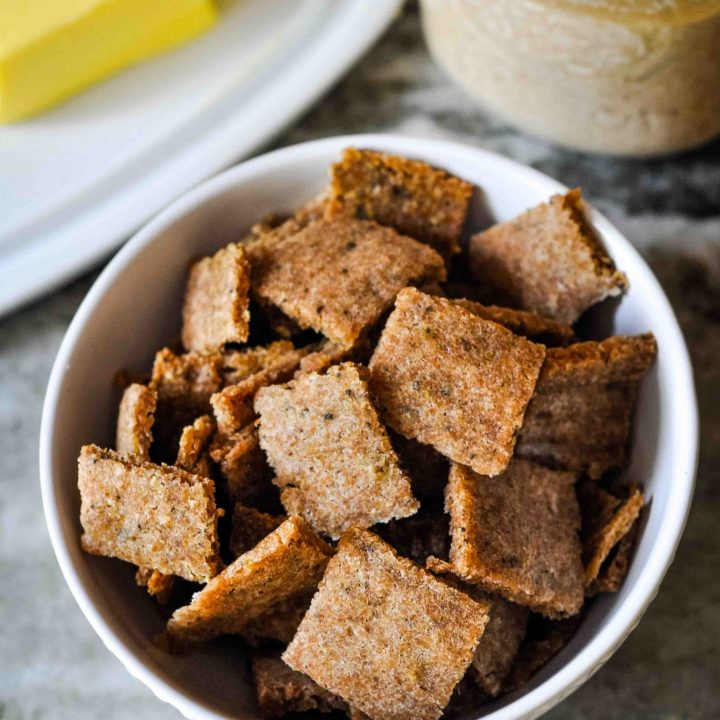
(385, 635)
(281, 690)
(339, 276)
(607, 519)
(136, 416)
(517, 535)
(547, 260)
(332, 457)
(453, 380)
(154, 516)
(287, 563)
(216, 308)
(580, 417)
(409, 195)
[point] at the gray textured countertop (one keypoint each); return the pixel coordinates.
(51, 663)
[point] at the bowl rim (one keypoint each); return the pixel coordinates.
(597, 650)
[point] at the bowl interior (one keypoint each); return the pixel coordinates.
(134, 309)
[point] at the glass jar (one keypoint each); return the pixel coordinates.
(628, 77)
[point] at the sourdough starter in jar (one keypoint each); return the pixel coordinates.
(632, 77)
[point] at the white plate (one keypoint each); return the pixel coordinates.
(76, 182)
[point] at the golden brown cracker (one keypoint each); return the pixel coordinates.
(580, 417)
(332, 457)
(453, 380)
(154, 516)
(408, 195)
(338, 277)
(383, 634)
(194, 445)
(547, 260)
(216, 307)
(287, 563)
(516, 535)
(136, 416)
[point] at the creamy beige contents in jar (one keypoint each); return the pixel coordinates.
(635, 77)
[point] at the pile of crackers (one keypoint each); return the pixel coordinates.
(381, 454)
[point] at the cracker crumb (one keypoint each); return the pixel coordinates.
(194, 445)
(453, 380)
(547, 260)
(333, 459)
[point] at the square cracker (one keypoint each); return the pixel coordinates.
(606, 520)
(534, 327)
(409, 195)
(332, 457)
(136, 416)
(383, 634)
(547, 260)
(339, 276)
(216, 307)
(281, 690)
(288, 563)
(154, 516)
(453, 380)
(580, 417)
(516, 535)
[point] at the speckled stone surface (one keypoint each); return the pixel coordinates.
(51, 663)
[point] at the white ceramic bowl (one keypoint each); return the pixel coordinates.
(134, 308)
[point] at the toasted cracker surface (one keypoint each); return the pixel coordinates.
(385, 635)
(239, 365)
(409, 195)
(333, 459)
(154, 516)
(547, 260)
(216, 307)
(136, 416)
(194, 445)
(606, 521)
(516, 535)
(281, 690)
(287, 563)
(534, 327)
(580, 417)
(244, 469)
(339, 276)
(453, 380)
(249, 527)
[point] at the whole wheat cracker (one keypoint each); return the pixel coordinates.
(339, 276)
(281, 690)
(416, 199)
(289, 562)
(249, 527)
(136, 416)
(534, 327)
(154, 516)
(547, 260)
(453, 380)
(194, 445)
(606, 521)
(216, 306)
(383, 634)
(332, 457)
(245, 473)
(516, 535)
(580, 417)
(241, 364)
